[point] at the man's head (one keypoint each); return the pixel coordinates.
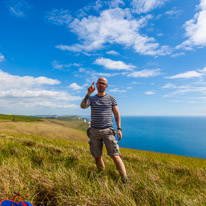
(101, 84)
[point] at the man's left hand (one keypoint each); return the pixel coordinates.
(119, 134)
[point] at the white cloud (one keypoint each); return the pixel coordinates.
(189, 89)
(59, 17)
(144, 6)
(202, 4)
(186, 75)
(195, 29)
(9, 81)
(117, 90)
(113, 65)
(174, 12)
(29, 92)
(184, 89)
(57, 65)
(203, 70)
(2, 58)
(92, 7)
(128, 87)
(75, 86)
(38, 94)
(73, 48)
(20, 99)
(169, 86)
(112, 52)
(38, 104)
(173, 86)
(178, 54)
(114, 26)
(149, 93)
(145, 73)
(136, 83)
(116, 3)
(92, 75)
(18, 8)
(56, 105)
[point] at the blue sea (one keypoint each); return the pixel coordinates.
(174, 135)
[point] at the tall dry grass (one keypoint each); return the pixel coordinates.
(47, 128)
(49, 171)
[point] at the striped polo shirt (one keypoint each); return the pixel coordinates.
(101, 110)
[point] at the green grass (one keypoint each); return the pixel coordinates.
(75, 122)
(19, 118)
(58, 172)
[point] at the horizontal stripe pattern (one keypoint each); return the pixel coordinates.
(101, 110)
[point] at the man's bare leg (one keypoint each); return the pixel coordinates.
(120, 166)
(100, 163)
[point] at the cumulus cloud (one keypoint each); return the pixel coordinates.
(9, 81)
(38, 94)
(169, 85)
(113, 65)
(145, 73)
(28, 91)
(2, 58)
(75, 86)
(195, 29)
(37, 98)
(112, 52)
(202, 70)
(144, 6)
(149, 93)
(186, 75)
(114, 26)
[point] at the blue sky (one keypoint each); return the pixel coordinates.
(153, 53)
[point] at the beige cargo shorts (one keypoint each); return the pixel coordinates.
(98, 137)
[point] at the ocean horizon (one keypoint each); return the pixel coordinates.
(179, 135)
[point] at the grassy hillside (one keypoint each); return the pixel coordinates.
(10, 117)
(52, 128)
(58, 171)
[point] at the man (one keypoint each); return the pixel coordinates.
(101, 130)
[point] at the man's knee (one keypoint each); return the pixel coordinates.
(98, 158)
(115, 157)
(99, 162)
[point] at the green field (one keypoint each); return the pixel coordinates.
(11, 117)
(56, 170)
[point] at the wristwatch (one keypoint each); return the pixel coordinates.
(119, 128)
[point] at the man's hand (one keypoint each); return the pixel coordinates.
(119, 134)
(91, 89)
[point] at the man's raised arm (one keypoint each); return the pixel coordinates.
(85, 102)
